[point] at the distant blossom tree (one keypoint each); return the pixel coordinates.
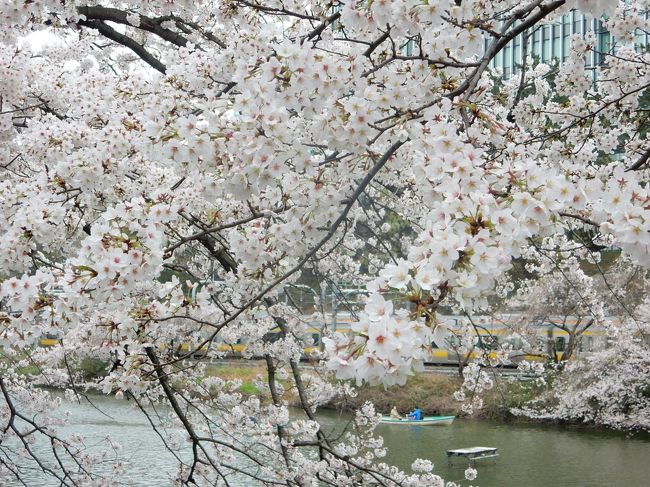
(168, 166)
(609, 387)
(573, 295)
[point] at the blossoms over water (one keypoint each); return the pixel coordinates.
(170, 169)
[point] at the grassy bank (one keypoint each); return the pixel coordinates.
(248, 375)
(433, 393)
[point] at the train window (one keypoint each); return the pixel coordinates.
(560, 344)
(272, 336)
(489, 342)
(315, 338)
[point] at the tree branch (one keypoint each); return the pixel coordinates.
(641, 161)
(146, 23)
(138, 49)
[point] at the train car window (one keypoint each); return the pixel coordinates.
(315, 338)
(560, 344)
(483, 342)
(272, 336)
(489, 343)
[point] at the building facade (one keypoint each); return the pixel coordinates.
(549, 42)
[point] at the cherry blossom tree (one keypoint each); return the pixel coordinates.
(574, 295)
(168, 166)
(595, 303)
(609, 387)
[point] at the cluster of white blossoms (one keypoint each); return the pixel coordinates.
(475, 381)
(385, 347)
(623, 211)
(609, 387)
(477, 211)
(168, 168)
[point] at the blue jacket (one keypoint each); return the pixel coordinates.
(416, 414)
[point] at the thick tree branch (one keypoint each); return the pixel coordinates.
(148, 24)
(107, 31)
(199, 235)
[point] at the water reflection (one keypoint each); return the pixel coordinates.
(145, 460)
(530, 455)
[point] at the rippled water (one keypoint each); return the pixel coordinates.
(145, 459)
(530, 455)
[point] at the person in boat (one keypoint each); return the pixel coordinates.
(394, 413)
(416, 414)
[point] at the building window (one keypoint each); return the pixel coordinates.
(516, 50)
(577, 23)
(507, 61)
(566, 33)
(546, 43)
(408, 47)
(604, 43)
(556, 51)
(640, 40)
(536, 50)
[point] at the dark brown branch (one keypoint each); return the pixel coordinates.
(579, 217)
(171, 397)
(641, 161)
(170, 250)
(138, 49)
(318, 30)
(376, 43)
(278, 11)
(220, 253)
(118, 16)
(270, 374)
(205, 33)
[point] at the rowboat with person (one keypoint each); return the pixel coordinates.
(415, 417)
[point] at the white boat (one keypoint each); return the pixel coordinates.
(426, 421)
(475, 452)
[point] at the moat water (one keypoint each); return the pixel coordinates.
(530, 455)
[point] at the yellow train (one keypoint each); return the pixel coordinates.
(539, 341)
(49, 340)
(491, 338)
(311, 339)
